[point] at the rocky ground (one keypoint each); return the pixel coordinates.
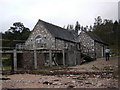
(95, 74)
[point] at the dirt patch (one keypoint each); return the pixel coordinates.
(99, 65)
(60, 81)
(95, 74)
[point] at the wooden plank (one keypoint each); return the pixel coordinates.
(10, 51)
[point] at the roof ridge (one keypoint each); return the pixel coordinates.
(95, 37)
(52, 24)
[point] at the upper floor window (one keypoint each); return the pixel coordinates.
(38, 39)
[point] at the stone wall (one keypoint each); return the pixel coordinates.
(78, 59)
(19, 60)
(27, 60)
(99, 50)
(40, 60)
(61, 44)
(96, 49)
(73, 58)
(46, 38)
(87, 44)
(86, 41)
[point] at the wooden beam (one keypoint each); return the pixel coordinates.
(63, 51)
(50, 58)
(35, 59)
(15, 59)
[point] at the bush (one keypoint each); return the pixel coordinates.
(6, 62)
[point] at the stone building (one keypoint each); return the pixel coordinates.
(49, 36)
(49, 45)
(52, 45)
(91, 44)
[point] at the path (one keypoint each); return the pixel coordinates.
(99, 65)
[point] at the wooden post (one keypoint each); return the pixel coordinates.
(15, 59)
(63, 57)
(35, 59)
(1, 66)
(75, 55)
(50, 58)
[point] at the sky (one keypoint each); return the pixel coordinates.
(119, 10)
(58, 12)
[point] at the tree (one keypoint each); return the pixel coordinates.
(115, 26)
(77, 27)
(17, 27)
(18, 33)
(70, 27)
(90, 28)
(82, 28)
(109, 32)
(98, 21)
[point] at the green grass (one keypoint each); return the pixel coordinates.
(4, 58)
(7, 67)
(108, 68)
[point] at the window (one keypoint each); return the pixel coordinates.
(38, 39)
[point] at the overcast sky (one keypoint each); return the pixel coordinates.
(58, 12)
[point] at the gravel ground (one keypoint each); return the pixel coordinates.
(102, 80)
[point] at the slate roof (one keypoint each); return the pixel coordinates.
(59, 32)
(96, 38)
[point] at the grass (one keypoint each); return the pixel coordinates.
(7, 67)
(108, 68)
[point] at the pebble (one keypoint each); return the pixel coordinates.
(56, 80)
(57, 83)
(71, 75)
(57, 86)
(80, 81)
(87, 82)
(98, 76)
(71, 86)
(46, 82)
(74, 77)
(73, 81)
(99, 84)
